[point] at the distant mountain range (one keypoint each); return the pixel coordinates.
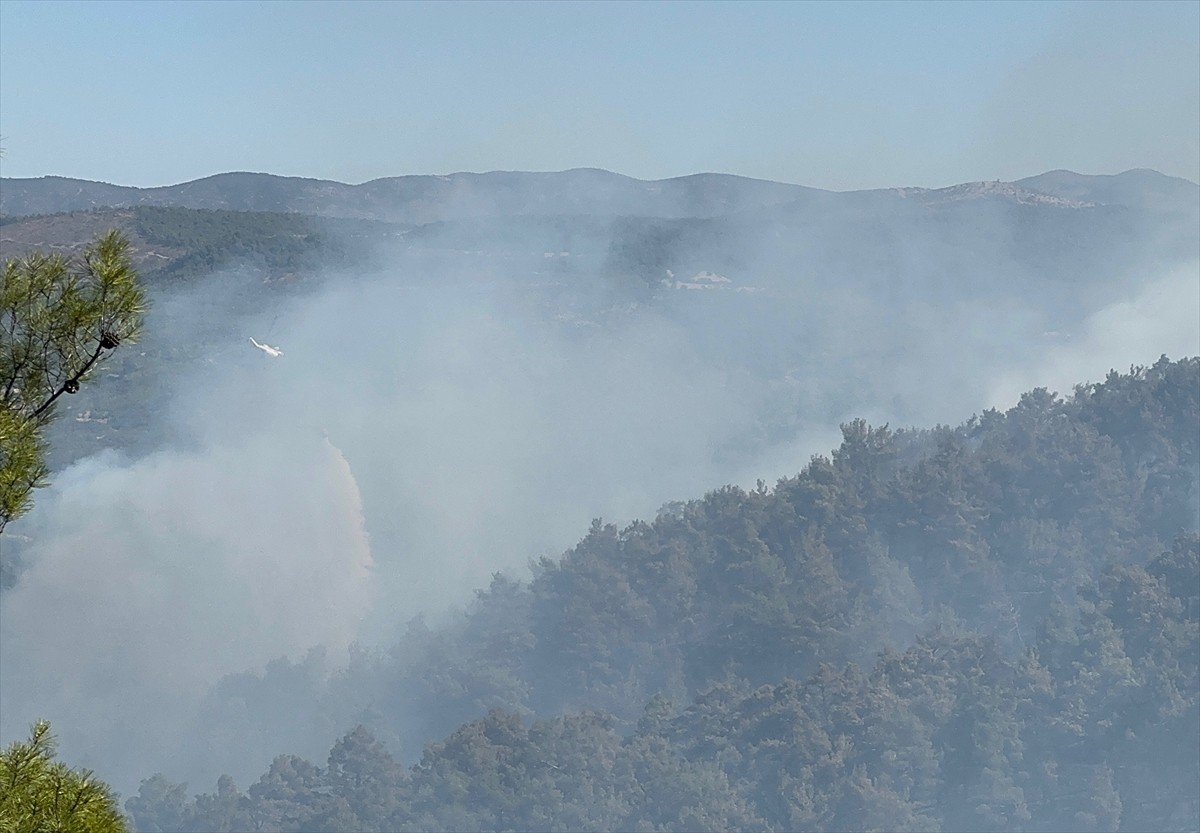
(416, 199)
(585, 191)
(1059, 227)
(774, 279)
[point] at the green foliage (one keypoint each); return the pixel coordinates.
(59, 320)
(22, 466)
(278, 244)
(988, 627)
(39, 793)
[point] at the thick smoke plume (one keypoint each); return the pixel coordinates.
(418, 435)
(409, 442)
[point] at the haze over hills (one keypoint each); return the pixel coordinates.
(1058, 227)
(719, 256)
(654, 417)
(417, 199)
(473, 367)
(424, 199)
(1141, 188)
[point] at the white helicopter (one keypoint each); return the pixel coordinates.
(273, 352)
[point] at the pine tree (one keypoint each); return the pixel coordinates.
(59, 320)
(39, 793)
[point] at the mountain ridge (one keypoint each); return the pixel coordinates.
(427, 198)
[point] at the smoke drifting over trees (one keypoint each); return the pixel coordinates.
(299, 545)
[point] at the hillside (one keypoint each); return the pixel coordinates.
(1062, 226)
(179, 243)
(720, 257)
(593, 231)
(989, 627)
(457, 397)
(1133, 189)
(415, 199)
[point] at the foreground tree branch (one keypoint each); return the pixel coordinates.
(60, 319)
(38, 792)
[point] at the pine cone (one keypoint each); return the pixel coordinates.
(71, 386)
(109, 340)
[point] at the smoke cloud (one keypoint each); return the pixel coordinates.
(1160, 318)
(410, 441)
(422, 431)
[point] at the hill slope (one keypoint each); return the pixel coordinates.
(990, 627)
(425, 199)
(415, 199)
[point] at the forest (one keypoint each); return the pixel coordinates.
(516, 416)
(990, 626)
(982, 626)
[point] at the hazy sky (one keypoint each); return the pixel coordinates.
(839, 95)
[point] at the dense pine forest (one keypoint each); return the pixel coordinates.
(994, 626)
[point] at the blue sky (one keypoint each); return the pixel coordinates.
(836, 95)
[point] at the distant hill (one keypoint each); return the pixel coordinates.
(171, 242)
(425, 199)
(1061, 227)
(725, 256)
(416, 199)
(1139, 188)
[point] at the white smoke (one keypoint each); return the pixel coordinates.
(475, 438)
(149, 581)
(413, 439)
(1160, 317)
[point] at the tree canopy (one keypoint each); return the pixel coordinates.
(60, 319)
(994, 626)
(39, 793)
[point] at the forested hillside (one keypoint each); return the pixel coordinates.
(171, 243)
(994, 626)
